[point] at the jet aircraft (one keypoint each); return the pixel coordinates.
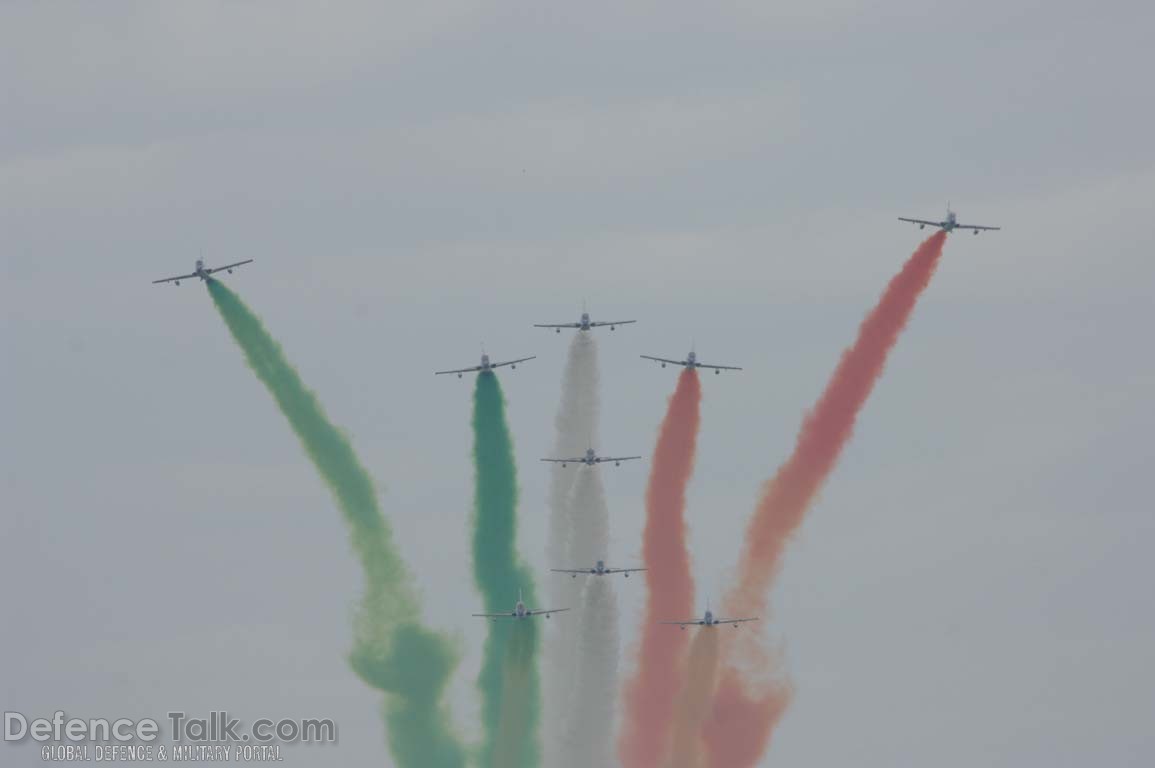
(519, 612)
(949, 224)
(598, 570)
(486, 366)
(591, 458)
(202, 272)
(691, 361)
(584, 324)
(708, 620)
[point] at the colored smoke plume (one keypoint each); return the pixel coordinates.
(514, 743)
(591, 529)
(392, 651)
(651, 692)
(749, 700)
(576, 427)
(508, 680)
(693, 703)
(592, 712)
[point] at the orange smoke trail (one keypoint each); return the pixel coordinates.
(650, 694)
(693, 704)
(741, 721)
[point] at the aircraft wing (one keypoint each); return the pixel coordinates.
(693, 623)
(474, 369)
(545, 612)
(664, 360)
(566, 461)
(921, 221)
(623, 570)
(511, 362)
(178, 277)
(605, 322)
(732, 621)
(600, 459)
(506, 615)
(228, 266)
(558, 325)
(571, 570)
(974, 226)
(720, 367)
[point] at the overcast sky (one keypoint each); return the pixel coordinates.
(973, 587)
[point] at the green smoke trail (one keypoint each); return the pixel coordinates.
(508, 679)
(392, 652)
(515, 744)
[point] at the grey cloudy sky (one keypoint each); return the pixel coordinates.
(974, 585)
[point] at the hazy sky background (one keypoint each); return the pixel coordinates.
(973, 587)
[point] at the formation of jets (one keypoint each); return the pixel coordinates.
(591, 458)
(520, 612)
(203, 272)
(949, 224)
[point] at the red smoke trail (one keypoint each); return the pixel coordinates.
(693, 705)
(651, 693)
(741, 721)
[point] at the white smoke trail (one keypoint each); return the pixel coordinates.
(588, 738)
(576, 423)
(589, 520)
(587, 732)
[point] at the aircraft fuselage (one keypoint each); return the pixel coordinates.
(199, 272)
(950, 224)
